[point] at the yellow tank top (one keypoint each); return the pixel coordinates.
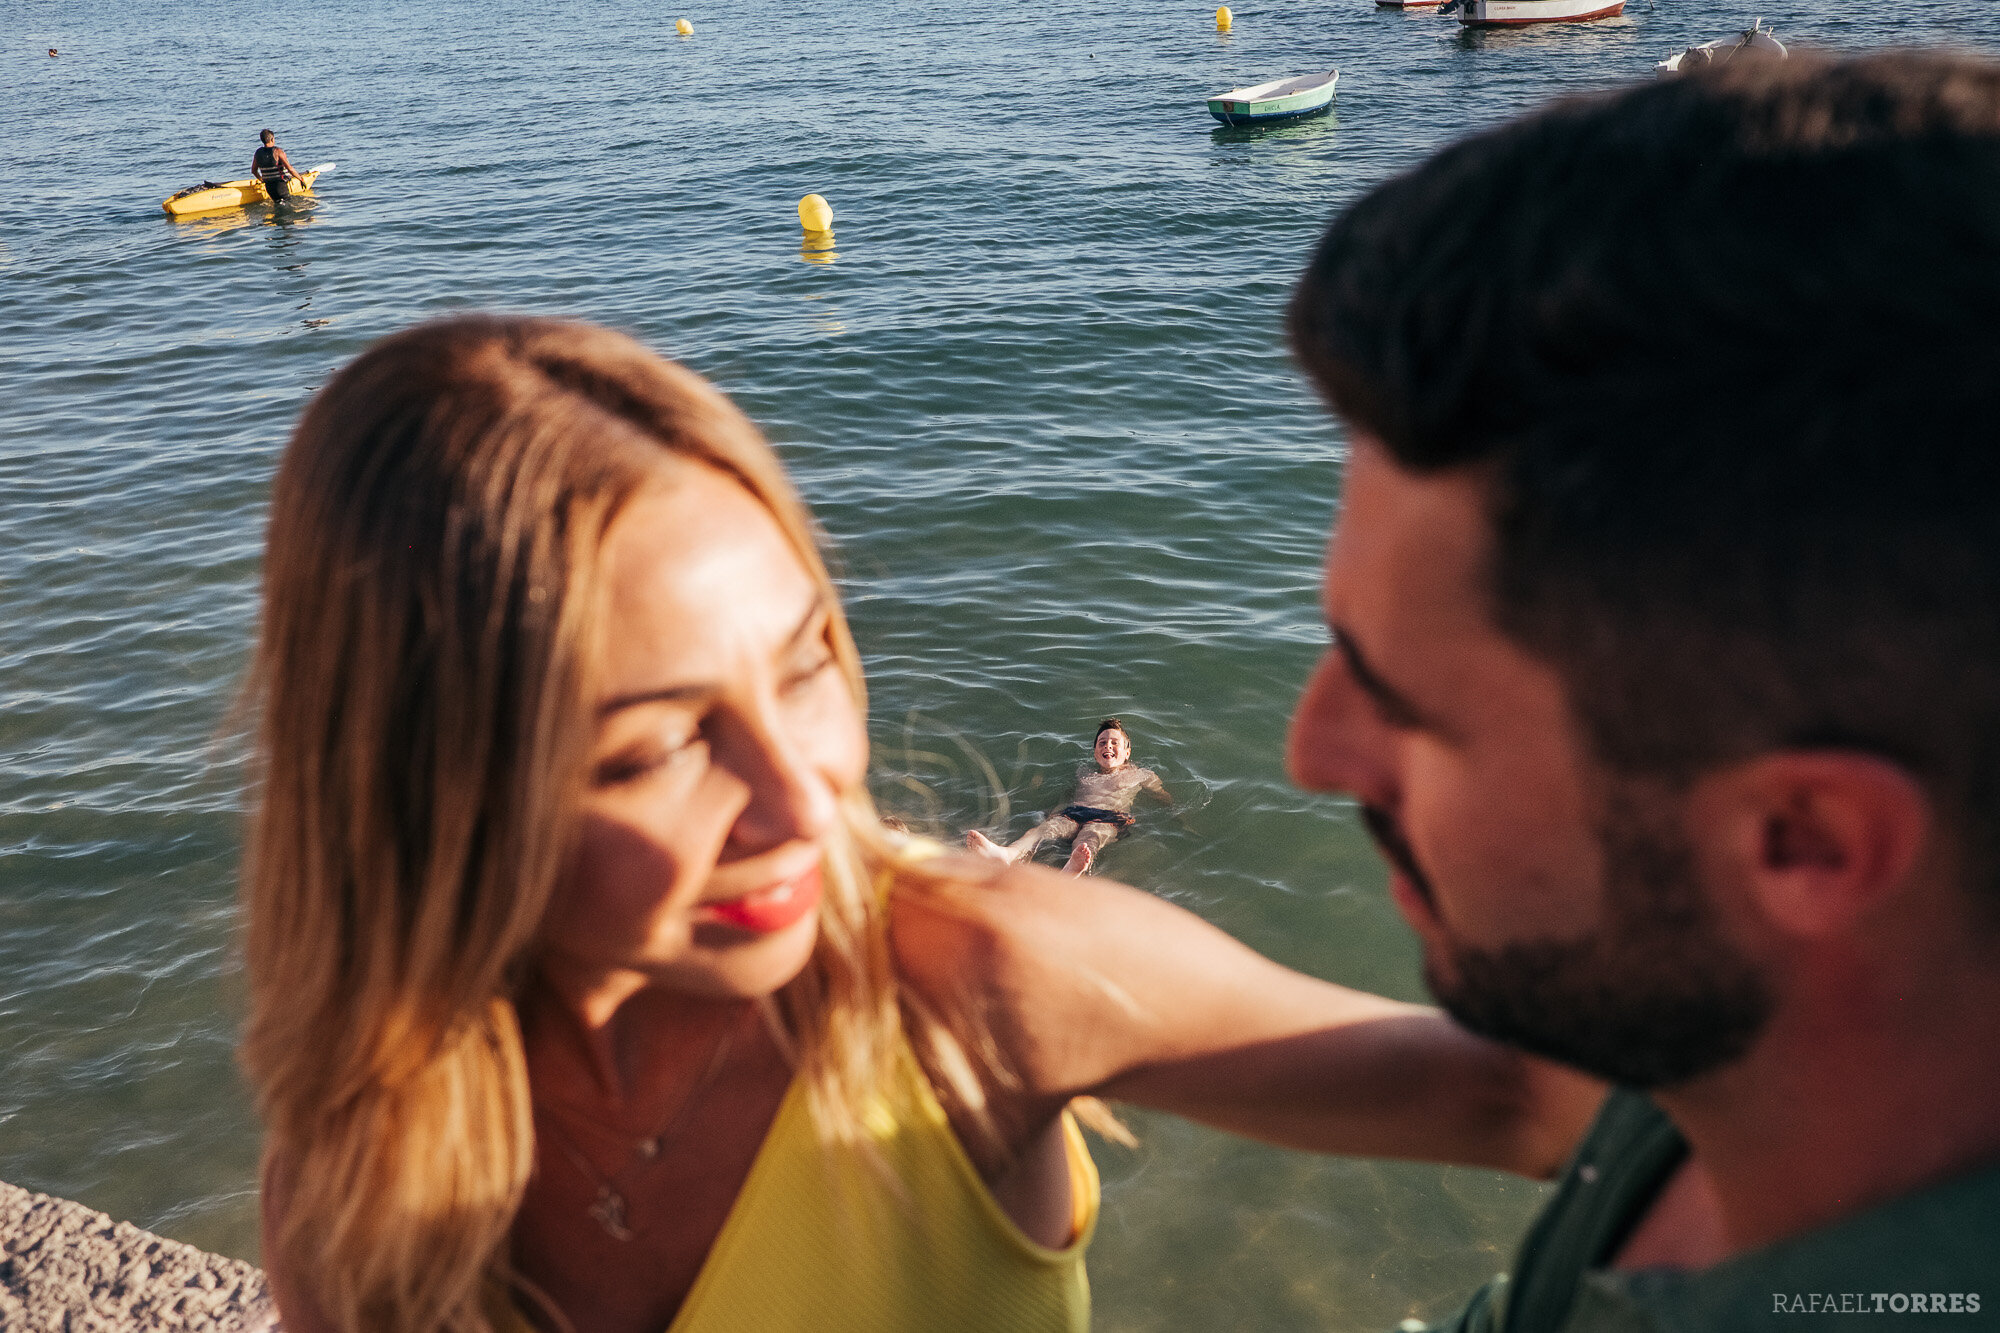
(825, 1242)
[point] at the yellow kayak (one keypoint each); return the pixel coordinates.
(208, 197)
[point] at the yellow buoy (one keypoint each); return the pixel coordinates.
(683, 27)
(1223, 18)
(815, 213)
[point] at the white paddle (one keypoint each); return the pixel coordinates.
(315, 173)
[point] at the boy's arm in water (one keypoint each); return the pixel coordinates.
(1156, 787)
(1093, 988)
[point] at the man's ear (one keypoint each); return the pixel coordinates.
(1820, 837)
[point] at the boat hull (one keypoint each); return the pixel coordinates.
(1233, 119)
(1235, 111)
(1517, 13)
(228, 195)
(1408, 4)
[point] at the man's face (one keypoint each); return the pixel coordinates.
(1113, 749)
(1558, 909)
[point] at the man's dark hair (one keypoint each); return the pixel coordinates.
(266, 135)
(1109, 724)
(1726, 351)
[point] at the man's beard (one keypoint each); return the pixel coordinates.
(1655, 996)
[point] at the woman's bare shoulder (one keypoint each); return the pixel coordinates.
(1071, 976)
(967, 923)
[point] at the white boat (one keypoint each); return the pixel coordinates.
(1280, 99)
(1408, 4)
(1514, 13)
(1754, 42)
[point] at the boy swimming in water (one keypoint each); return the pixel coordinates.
(1100, 807)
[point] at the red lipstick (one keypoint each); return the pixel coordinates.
(767, 911)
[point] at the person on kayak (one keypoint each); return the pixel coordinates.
(1100, 808)
(270, 165)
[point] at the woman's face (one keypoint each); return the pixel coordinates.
(726, 736)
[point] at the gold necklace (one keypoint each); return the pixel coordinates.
(608, 1209)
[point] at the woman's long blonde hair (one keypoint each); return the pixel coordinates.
(422, 683)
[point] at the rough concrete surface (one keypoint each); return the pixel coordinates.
(70, 1268)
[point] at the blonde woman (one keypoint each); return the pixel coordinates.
(575, 1002)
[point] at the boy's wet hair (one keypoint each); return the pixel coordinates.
(266, 135)
(1111, 724)
(1723, 350)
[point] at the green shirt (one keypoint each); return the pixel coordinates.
(1932, 1256)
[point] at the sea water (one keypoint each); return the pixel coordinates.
(1036, 391)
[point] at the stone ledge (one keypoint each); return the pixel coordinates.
(68, 1267)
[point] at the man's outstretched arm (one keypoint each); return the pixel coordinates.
(1094, 988)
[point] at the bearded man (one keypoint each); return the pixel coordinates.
(1665, 600)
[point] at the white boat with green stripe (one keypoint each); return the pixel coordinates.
(1280, 99)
